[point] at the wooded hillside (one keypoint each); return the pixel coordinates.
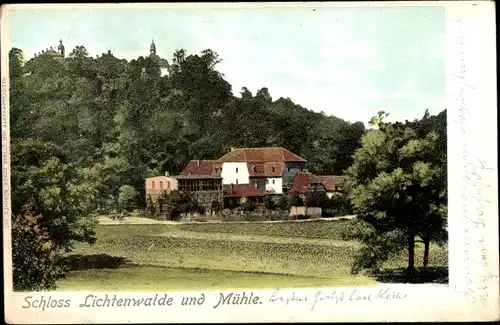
(119, 122)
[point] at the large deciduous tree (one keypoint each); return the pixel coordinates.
(49, 206)
(397, 186)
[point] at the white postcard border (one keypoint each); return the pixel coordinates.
(473, 293)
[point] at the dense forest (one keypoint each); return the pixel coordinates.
(118, 122)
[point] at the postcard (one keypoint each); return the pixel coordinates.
(249, 162)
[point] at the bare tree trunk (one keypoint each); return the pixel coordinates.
(410, 271)
(426, 253)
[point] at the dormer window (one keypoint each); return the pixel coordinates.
(274, 169)
(254, 169)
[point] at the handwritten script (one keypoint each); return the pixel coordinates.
(475, 182)
(335, 297)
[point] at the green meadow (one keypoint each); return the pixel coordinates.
(222, 256)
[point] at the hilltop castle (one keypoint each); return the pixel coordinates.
(59, 53)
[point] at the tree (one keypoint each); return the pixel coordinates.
(397, 187)
(179, 56)
(48, 213)
(42, 177)
(211, 58)
(127, 197)
(178, 202)
(316, 199)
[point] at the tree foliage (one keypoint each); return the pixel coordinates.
(317, 199)
(397, 187)
(122, 121)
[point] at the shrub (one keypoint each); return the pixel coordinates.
(200, 209)
(216, 206)
(248, 206)
(282, 203)
(269, 203)
(34, 256)
(293, 200)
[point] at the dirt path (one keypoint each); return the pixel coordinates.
(104, 220)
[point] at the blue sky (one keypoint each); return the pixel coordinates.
(346, 61)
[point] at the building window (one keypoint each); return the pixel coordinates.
(168, 185)
(273, 181)
(288, 169)
(236, 181)
(161, 184)
(236, 169)
(153, 185)
(254, 169)
(267, 181)
(274, 169)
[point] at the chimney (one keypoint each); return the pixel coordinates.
(232, 148)
(197, 162)
(166, 174)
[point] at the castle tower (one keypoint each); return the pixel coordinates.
(152, 48)
(60, 48)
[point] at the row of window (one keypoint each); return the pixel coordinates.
(274, 169)
(161, 185)
(267, 181)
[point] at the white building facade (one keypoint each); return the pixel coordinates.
(274, 185)
(235, 173)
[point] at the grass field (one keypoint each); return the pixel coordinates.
(195, 256)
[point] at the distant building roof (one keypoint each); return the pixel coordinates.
(242, 190)
(267, 154)
(330, 182)
(303, 180)
(201, 169)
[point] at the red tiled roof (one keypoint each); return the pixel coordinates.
(274, 169)
(202, 168)
(242, 190)
(302, 181)
(330, 182)
(259, 169)
(256, 169)
(267, 154)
